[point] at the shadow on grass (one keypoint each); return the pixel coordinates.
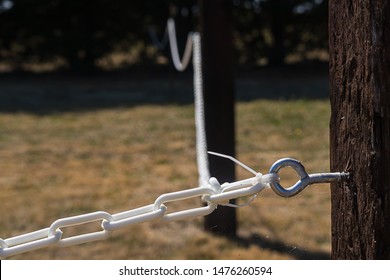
(56, 93)
(280, 247)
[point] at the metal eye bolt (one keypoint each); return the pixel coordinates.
(305, 178)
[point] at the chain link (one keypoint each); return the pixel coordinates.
(135, 216)
(28, 242)
(212, 195)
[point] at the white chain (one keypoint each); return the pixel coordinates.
(212, 195)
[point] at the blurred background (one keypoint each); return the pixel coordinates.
(93, 116)
(55, 35)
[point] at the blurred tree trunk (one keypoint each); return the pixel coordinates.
(278, 21)
(217, 53)
(359, 43)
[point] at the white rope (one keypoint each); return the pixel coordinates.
(201, 142)
(180, 65)
(193, 42)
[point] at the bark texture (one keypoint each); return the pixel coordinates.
(359, 44)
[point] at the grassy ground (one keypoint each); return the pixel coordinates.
(115, 159)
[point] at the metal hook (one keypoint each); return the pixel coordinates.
(305, 179)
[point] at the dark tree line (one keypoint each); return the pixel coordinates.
(81, 32)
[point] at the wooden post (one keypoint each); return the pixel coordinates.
(359, 43)
(218, 90)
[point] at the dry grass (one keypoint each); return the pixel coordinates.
(64, 164)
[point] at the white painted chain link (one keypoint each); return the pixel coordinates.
(212, 195)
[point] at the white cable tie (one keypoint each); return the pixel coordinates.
(234, 160)
(241, 205)
(259, 179)
(270, 178)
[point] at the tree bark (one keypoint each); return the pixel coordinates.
(359, 43)
(218, 89)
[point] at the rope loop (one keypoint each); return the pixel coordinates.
(180, 64)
